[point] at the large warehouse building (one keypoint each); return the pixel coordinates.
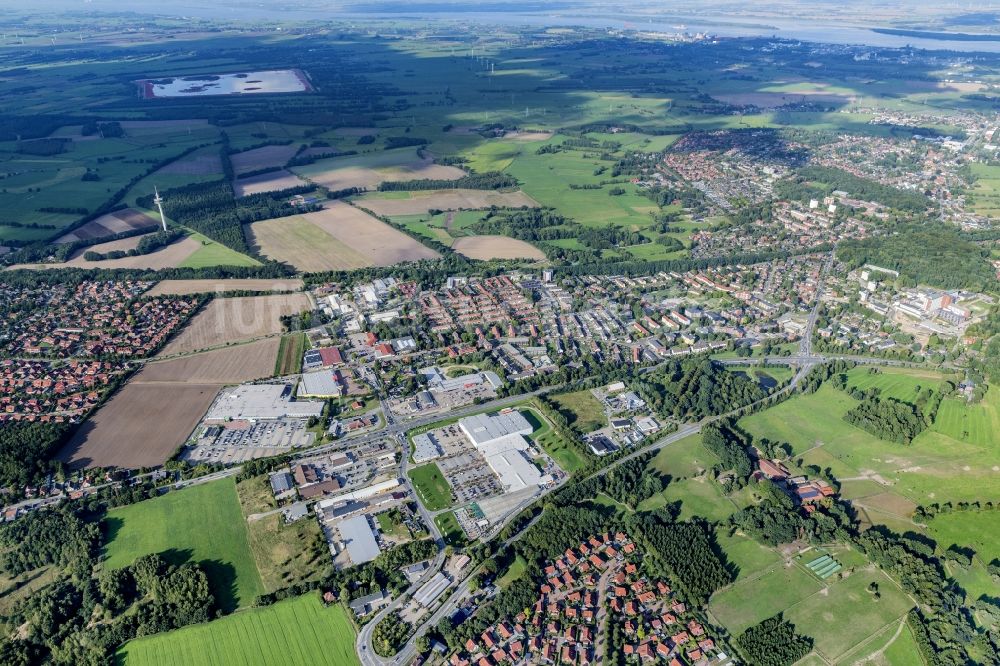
(501, 440)
(358, 536)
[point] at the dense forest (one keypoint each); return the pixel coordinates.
(730, 446)
(84, 615)
(773, 642)
(212, 209)
(816, 182)
(887, 419)
(687, 551)
(696, 388)
(930, 254)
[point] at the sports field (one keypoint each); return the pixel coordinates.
(299, 631)
(200, 524)
(839, 613)
(431, 486)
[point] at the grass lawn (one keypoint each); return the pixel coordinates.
(212, 253)
(840, 615)
(431, 486)
(903, 651)
(566, 454)
(514, 571)
(847, 615)
(979, 531)
(948, 461)
(202, 524)
(748, 556)
(582, 410)
(684, 458)
(297, 631)
(899, 383)
(698, 497)
(452, 532)
(754, 599)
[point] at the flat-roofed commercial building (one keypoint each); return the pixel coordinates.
(484, 428)
(359, 538)
(260, 402)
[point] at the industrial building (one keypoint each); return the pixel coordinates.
(501, 440)
(260, 402)
(321, 384)
(358, 536)
(431, 590)
(425, 448)
(485, 428)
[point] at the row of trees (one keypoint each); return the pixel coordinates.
(490, 180)
(146, 244)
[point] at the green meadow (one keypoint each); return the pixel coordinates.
(201, 524)
(431, 486)
(300, 631)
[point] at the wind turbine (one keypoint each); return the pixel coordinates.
(158, 200)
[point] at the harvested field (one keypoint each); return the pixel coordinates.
(266, 182)
(125, 244)
(298, 242)
(372, 238)
(261, 158)
(459, 199)
(226, 320)
(773, 100)
(496, 247)
(528, 136)
(117, 222)
(184, 287)
(229, 365)
(339, 237)
(171, 256)
(204, 164)
(355, 131)
(141, 426)
(182, 123)
(370, 169)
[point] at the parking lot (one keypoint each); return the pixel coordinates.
(239, 442)
(463, 466)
